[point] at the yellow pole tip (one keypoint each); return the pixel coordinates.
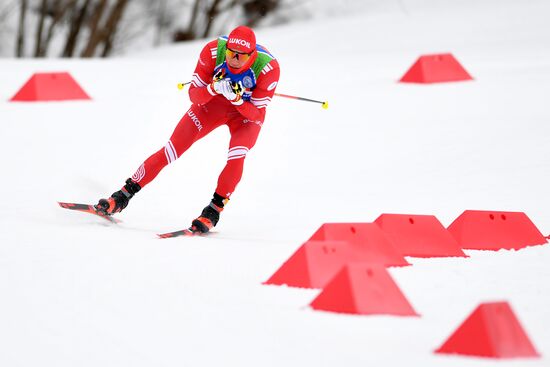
(325, 105)
(180, 86)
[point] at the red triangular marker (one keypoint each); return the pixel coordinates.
(315, 263)
(435, 68)
(491, 330)
(494, 230)
(50, 87)
(369, 236)
(419, 235)
(363, 289)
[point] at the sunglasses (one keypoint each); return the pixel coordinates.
(237, 55)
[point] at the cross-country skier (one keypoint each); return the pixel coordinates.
(233, 83)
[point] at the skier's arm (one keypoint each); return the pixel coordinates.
(262, 94)
(202, 77)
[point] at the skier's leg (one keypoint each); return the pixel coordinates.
(243, 138)
(195, 124)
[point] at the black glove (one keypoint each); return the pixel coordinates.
(220, 74)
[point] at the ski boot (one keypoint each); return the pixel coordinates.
(118, 200)
(210, 215)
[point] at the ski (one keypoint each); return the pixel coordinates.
(187, 232)
(87, 208)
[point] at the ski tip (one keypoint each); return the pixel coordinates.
(88, 208)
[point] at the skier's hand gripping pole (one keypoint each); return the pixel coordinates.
(324, 104)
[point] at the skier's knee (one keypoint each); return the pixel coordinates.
(170, 152)
(237, 152)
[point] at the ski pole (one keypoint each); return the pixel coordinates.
(323, 104)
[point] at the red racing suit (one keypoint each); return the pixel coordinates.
(209, 111)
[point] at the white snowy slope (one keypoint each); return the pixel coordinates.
(75, 291)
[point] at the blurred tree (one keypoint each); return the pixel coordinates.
(205, 13)
(161, 21)
(89, 28)
(98, 20)
(53, 12)
(255, 10)
(202, 17)
(104, 33)
(193, 21)
(20, 44)
(76, 21)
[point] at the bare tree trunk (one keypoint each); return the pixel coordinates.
(21, 30)
(59, 11)
(40, 28)
(106, 34)
(255, 10)
(212, 13)
(77, 19)
(107, 45)
(160, 21)
(94, 22)
(194, 16)
(112, 26)
(215, 10)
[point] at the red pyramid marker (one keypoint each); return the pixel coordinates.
(316, 262)
(491, 330)
(368, 236)
(363, 289)
(437, 68)
(494, 230)
(419, 235)
(313, 264)
(50, 87)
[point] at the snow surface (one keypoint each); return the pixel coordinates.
(75, 291)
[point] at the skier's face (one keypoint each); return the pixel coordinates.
(236, 59)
